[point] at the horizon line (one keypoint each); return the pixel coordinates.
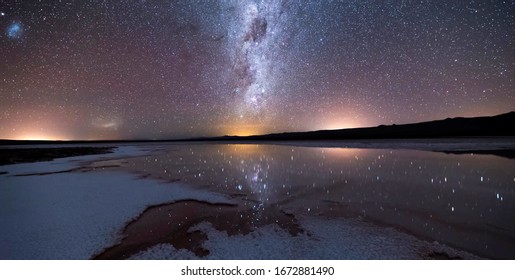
(221, 137)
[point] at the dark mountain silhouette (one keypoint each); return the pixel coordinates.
(500, 125)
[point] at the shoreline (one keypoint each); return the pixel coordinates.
(29, 155)
(497, 146)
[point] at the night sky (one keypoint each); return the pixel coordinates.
(173, 69)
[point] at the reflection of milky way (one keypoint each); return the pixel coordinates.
(257, 182)
(256, 43)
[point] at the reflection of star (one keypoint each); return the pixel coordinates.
(14, 30)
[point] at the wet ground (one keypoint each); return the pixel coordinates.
(466, 201)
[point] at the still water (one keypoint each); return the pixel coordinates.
(466, 201)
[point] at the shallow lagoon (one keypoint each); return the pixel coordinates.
(313, 202)
(466, 201)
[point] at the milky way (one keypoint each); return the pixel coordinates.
(171, 69)
(258, 43)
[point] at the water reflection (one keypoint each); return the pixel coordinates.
(463, 200)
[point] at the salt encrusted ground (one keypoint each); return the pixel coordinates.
(75, 215)
(322, 239)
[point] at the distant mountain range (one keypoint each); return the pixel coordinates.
(500, 125)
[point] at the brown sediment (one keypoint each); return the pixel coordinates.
(172, 223)
(144, 175)
(506, 153)
(77, 169)
(441, 256)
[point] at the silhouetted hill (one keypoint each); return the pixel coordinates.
(500, 125)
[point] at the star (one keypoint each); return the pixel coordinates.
(208, 68)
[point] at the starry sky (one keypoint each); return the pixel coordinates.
(173, 69)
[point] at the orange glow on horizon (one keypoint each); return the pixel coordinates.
(40, 136)
(339, 123)
(38, 124)
(53, 129)
(243, 130)
(345, 117)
